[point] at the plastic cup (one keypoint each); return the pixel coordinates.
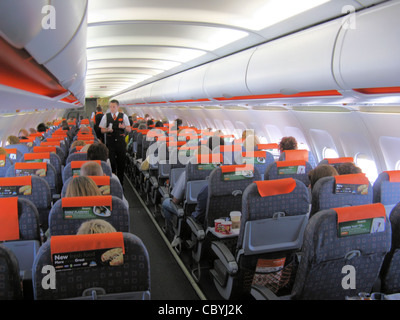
(235, 218)
(226, 227)
(217, 224)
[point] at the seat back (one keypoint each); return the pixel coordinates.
(5, 164)
(41, 169)
(386, 188)
(107, 185)
(341, 191)
(296, 169)
(120, 268)
(77, 156)
(336, 241)
(225, 188)
(391, 266)
(33, 188)
(14, 154)
(261, 160)
(305, 155)
(10, 285)
(73, 168)
(45, 156)
(336, 162)
(67, 214)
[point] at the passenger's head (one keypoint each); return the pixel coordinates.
(99, 109)
(288, 143)
(159, 124)
(12, 140)
(41, 127)
(32, 130)
(323, 170)
(250, 142)
(95, 226)
(82, 186)
(91, 168)
(348, 168)
(23, 134)
(77, 143)
(97, 151)
(3, 151)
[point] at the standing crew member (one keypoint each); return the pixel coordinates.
(114, 124)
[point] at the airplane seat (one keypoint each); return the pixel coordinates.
(73, 168)
(67, 214)
(296, 169)
(5, 164)
(261, 160)
(14, 154)
(336, 161)
(23, 148)
(10, 285)
(113, 266)
(33, 188)
(107, 185)
(274, 216)
(389, 275)
(60, 152)
(341, 191)
(226, 185)
(359, 252)
(300, 154)
(386, 189)
(77, 156)
(41, 169)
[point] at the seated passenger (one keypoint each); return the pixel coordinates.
(12, 140)
(323, 170)
(41, 127)
(95, 226)
(23, 134)
(77, 143)
(348, 168)
(91, 168)
(82, 186)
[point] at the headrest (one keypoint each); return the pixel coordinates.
(230, 148)
(103, 182)
(14, 186)
(394, 175)
(356, 183)
(363, 219)
(37, 157)
(29, 168)
(87, 250)
(267, 146)
(175, 143)
(258, 157)
(291, 167)
(9, 225)
(12, 153)
(237, 172)
(85, 121)
(296, 155)
(86, 207)
(50, 144)
(41, 149)
(275, 187)
(339, 160)
(29, 141)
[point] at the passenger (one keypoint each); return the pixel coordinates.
(64, 125)
(287, 143)
(32, 130)
(91, 168)
(97, 118)
(348, 168)
(77, 143)
(98, 151)
(82, 186)
(85, 148)
(3, 151)
(95, 226)
(23, 134)
(12, 140)
(41, 127)
(323, 170)
(250, 140)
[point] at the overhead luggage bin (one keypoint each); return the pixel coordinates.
(171, 87)
(191, 85)
(226, 78)
(156, 93)
(295, 64)
(367, 52)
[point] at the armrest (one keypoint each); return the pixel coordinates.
(178, 209)
(196, 228)
(225, 256)
(153, 181)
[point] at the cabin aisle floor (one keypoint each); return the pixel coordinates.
(168, 282)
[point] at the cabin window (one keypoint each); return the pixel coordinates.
(397, 167)
(367, 165)
(329, 153)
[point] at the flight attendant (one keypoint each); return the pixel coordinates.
(114, 124)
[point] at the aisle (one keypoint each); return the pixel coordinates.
(168, 282)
